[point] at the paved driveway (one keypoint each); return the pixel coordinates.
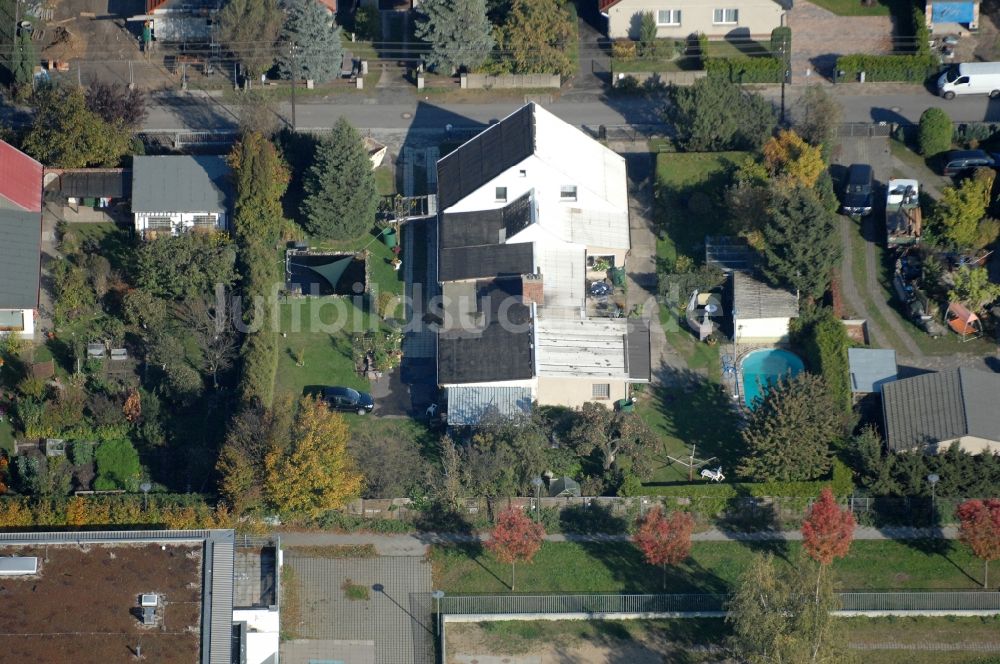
(393, 626)
(819, 36)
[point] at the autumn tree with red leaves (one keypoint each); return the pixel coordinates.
(979, 529)
(664, 539)
(828, 530)
(515, 538)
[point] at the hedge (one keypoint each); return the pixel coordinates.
(841, 481)
(172, 511)
(881, 68)
(746, 69)
(824, 342)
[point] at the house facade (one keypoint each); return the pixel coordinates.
(174, 194)
(761, 313)
(532, 213)
(20, 240)
(932, 412)
(679, 19)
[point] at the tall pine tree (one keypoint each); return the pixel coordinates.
(801, 244)
(311, 31)
(790, 430)
(341, 197)
(458, 31)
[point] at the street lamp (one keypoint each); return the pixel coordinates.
(438, 595)
(537, 483)
(145, 487)
(933, 479)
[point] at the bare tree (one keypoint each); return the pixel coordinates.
(209, 325)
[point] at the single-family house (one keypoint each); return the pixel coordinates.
(870, 369)
(20, 240)
(761, 313)
(173, 194)
(679, 19)
(532, 212)
(929, 413)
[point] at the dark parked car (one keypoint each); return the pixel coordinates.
(964, 162)
(859, 190)
(344, 398)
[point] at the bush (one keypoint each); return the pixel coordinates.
(881, 68)
(745, 69)
(781, 42)
(824, 343)
(117, 466)
(935, 132)
(623, 49)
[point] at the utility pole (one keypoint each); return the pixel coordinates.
(295, 74)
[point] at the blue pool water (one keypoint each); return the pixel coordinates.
(761, 368)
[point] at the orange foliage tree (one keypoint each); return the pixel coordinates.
(979, 529)
(664, 539)
(315, 473)
(515, 538)
(827, 532)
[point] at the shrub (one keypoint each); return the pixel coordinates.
(881, 68)
(781, 41)
(745, 69)
(117, 466)
(647, 34)
(623, 49)
(935, 132)
(824, 342)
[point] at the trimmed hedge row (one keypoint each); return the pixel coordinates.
(841, 482)
(882, 68)
(746, 69)
(172, 511)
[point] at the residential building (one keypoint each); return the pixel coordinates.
(155, 595)
(871, 369)
(761, 313)
(679, 19)
(173, 194)
(532, 213)
(20, 240)
(929, 413)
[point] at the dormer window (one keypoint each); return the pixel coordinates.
(501, 194)
(567, 192)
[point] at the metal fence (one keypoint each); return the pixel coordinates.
(895, 602)
(513, 604)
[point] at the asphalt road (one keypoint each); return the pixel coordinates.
(190, 111)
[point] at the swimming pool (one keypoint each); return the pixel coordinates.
(763, 367)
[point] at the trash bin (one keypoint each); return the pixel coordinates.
(625, 405)
(618, 276)
(389, 237)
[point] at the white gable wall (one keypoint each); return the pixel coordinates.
(544, 179)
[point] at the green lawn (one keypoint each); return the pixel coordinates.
(713, 567)
(328, 359)
(385, 180)
(855, 8)
(690, 206)
(727, 49)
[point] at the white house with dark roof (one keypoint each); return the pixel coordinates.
(20, 240)
(932, 412)
(527, 209)
(173, 194)
(761, 313)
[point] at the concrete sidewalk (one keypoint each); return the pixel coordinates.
(416, 544)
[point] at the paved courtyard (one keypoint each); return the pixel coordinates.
(393, 626)
(819, 36)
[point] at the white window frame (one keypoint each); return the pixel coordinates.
(600, 391)
(499, 191)
(673, 20)
(719, 16)
(568, 192)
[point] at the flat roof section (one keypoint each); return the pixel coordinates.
(591, 348)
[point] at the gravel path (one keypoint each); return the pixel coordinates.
(910, 347)
(416, 544)
(849, 288)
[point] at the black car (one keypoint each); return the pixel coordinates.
(344, 398)
(964, 162)
(859, 190)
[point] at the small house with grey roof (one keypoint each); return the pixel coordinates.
(761, 313)
(20, 240)
(934, 411)
(174, 194)
(532, 213)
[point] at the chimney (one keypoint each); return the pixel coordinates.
(532, 290)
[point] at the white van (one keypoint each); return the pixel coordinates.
(970, 78)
